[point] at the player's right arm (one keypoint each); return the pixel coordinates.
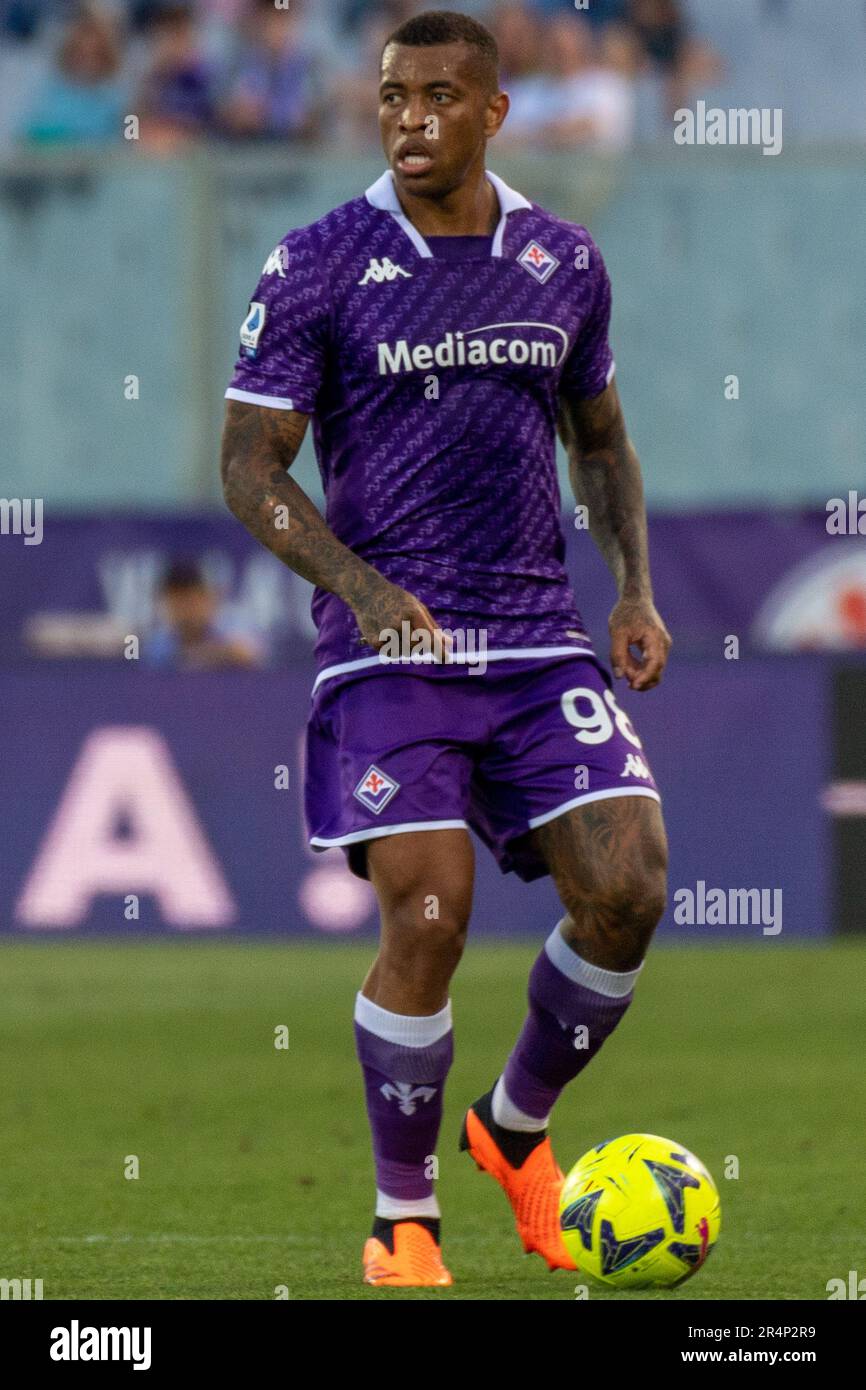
(285, 354)
(259, 445)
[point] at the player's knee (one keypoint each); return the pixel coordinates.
(642, 891)
(643, 900)
(428, 929)
(637, 898)
(621, 914)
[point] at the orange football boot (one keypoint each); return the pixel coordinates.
(416, 1260)
(532, 1188)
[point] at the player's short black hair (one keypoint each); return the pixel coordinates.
(447, 26)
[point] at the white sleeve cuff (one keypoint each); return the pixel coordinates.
(253, 398)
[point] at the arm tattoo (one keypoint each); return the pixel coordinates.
(259, 445)
(606, 478)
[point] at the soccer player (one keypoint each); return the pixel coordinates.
(438, 330)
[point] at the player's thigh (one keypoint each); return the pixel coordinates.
(608, 860)
(423, 877)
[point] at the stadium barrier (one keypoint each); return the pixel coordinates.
(774, 582)
(149, 802)
(123, 281)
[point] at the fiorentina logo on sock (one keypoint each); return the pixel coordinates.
(375, 789)
(406, 1094)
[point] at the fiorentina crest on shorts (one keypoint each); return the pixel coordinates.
(375, 789)
(537, 261)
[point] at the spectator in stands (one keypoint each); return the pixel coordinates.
(591, 86)
(661, 29)
(596, 12)
(520, 36)
(83, 99)
(272, 92)
(176, 98)
(355, 84)
(194, 635)
(355, 15)
(20, 19)
(682, 61)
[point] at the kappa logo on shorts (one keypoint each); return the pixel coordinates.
(537, 261)
(635, 767)
(375, 789)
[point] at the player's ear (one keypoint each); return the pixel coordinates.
(497, 110)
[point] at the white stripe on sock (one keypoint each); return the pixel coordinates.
(407, 1030)
(613, 983)
(394, 1207)
(507, 1114)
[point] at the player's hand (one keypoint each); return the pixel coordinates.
(635, 622)
(383, 611)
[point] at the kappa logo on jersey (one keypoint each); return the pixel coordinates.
(251, 328)
(375, 789)
(277, 262)
(538, 262)
(406, 1094)
(635, 767)
(379, 271)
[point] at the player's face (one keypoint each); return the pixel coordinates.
(436, 114)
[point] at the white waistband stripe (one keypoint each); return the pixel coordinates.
(464, 659)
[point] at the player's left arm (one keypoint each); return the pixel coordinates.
(606, 479)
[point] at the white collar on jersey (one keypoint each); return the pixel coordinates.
(382, 194)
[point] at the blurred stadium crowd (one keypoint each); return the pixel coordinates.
(304, 70)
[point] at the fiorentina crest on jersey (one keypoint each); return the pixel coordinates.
(537, 261)
(375, 789)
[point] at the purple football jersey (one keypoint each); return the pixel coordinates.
(432, 379)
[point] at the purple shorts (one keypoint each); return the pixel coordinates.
(391, 749)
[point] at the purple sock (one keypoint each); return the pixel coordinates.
(405, 1061)
(573, 1007)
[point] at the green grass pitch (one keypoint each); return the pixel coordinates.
(254, 1162)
